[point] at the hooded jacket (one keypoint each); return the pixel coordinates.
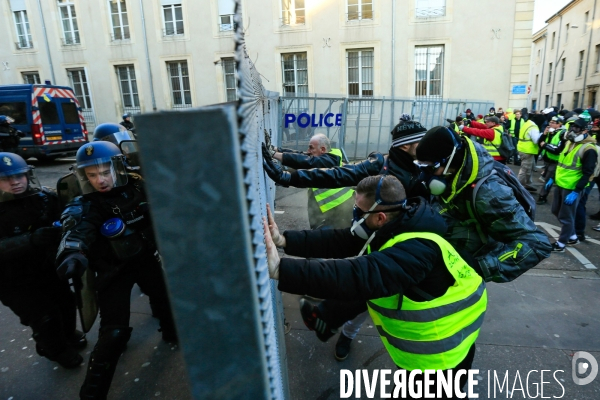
(332, 270)
(505, 241)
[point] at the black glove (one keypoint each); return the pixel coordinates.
(267, 154)
(21, 134)
(74, 264)
(277, 173)
(46, 237)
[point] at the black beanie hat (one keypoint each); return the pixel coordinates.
(407, 132)
(437, 145)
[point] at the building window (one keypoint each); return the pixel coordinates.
(429, 70)
(69, 23)
(549, 72)
(563, 62)
(229, 71)
(180, 84)
(559, 100)
(597, 58)
(359, 9)
(580, 69)
(360, 80)
(23, 33)
(293, 12)
(128, 88)
(118, 19)
(575, 100)
(80, 86)
(31, 78)
(430, 8)
(537, 77)
(226, 14)
(173, 17)
(566, 32)
(534, 104)
(552, 42)
(585, 23)
(592, 100)
(295, 74)
(547, 101)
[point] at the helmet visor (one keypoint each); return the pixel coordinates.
(131, 150)
(101, 174)
(18, 183)
(118, 137)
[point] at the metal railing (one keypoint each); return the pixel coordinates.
(115, 37)
(227, 26)
(361, 126)
(358, 16)
(173, 31)
(288, 21)
(24, 44)
(71, 41)
(430, 12)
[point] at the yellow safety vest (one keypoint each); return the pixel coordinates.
(554, 141)
(435, 334)
(568, 171)
(525, 144)
(492, 147)
(331, 198)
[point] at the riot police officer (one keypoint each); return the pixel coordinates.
(9, 136)
(120, 136)
(109, 230)
(127, 122)
(28, 282)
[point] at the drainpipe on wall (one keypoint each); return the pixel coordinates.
(147, 56)
(541, 81)
(393, 62)
(47, 44)
(556, 62)
(588, 57)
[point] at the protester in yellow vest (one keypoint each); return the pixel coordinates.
(552, 135)
(395, 260)
(529, 135)
(490, 132)
(576, 165)
(327, 208)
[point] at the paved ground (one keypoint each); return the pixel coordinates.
(535, 323)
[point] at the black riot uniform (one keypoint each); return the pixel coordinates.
(112, 229)
(29, 285)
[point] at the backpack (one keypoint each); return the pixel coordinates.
(506, 148)
(524, 198)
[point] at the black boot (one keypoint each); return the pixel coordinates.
(596, 216)
(51, 342)
(542, 199)
(103, 361)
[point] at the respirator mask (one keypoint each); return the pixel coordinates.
(436, 184)
(576, 134)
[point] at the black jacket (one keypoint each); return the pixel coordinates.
(398, 163)
(307, 161)
(128, 125)
(19, 258)
(333, 271)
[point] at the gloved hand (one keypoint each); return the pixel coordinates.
(74, 264)
(460, 127)
(20, 134)
(571, 198)
(266, 152)
(46, 237)
(548, 184)
(275, 171)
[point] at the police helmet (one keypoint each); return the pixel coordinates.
(100, 167)
(113, 133)
(5, 119)
(126, 115)
(17, 178)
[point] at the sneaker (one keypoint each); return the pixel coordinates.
(542, 179)
(596, 228)
(530, 189)
(596, 216)
(581, 238)
(558, 248)
(573, 242)
(310, 316)
(342, 347)
(541, 200)
(69, 358)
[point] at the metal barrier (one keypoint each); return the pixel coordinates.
(365, 123)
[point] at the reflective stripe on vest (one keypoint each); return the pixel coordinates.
(554, 141)
(492, 147)
(331, 198)
(525, 144)
(568, 171)
(434, 334)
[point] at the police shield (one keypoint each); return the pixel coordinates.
(67, 189)
(87, 303)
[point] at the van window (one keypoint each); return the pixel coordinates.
(48, 112)
(70, 113)
(16, 110)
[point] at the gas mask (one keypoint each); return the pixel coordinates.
(359, 225)
(437, 184)
(576, 137)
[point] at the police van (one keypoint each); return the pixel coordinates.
(50, 117)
